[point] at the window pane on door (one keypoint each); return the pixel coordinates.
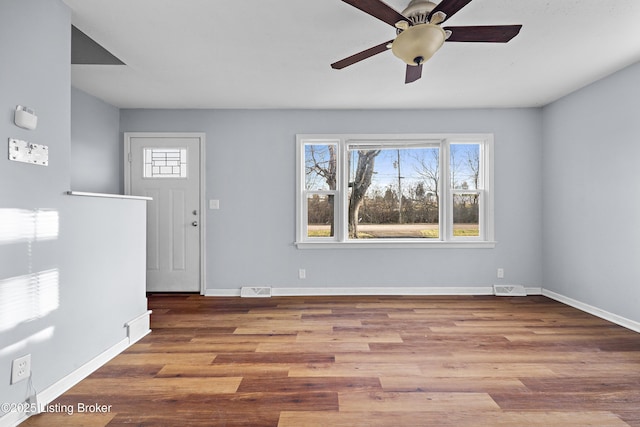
(165, 163)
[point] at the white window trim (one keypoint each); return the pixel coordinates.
(447, 240)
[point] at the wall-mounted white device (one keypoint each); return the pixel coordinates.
(25, 118)
(27, 152)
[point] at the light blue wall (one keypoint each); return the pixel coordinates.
(35, 73)
(591, 159)
(94, 248)
(96, 153)
(251, 170)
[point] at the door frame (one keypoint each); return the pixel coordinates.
(202, 217)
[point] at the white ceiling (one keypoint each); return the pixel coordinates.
(277, 54)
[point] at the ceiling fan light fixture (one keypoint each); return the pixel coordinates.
(418, 11)
(418, 43)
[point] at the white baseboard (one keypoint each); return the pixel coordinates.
(618, 320)
(382, 290)
(222, 292)
(139, 327)
(135, 331)
(376, 290)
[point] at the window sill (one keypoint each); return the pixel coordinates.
(397, 244)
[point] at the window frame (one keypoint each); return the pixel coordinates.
(446, 239)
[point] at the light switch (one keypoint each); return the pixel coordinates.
(214, 204)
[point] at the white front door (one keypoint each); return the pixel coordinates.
(166, 167)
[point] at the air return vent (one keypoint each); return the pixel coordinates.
(509, 291)
(255, 292)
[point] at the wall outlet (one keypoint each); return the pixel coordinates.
(501, 273)
(21, 369)
(302, 273)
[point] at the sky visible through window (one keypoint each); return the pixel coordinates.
(413, 166)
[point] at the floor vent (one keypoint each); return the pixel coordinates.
(255, 292)
(509, 291)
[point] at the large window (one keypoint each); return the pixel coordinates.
(394, 190)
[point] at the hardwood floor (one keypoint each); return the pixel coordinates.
(366, 361)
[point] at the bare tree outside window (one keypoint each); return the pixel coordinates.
(320, 175)
(394, 189)
(465, 176)
(320, 167)
(359, 185)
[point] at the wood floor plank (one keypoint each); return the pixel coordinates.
(415, 402)
(604, 384)
(446, 384)
(155, 386)
(275, 358)
(515, 355)
(558, 401)
(128, 371)
(225, 369)
(485, 370)
(349, 336)
(332, 348)
(354, 370)
(306, 384)
(283, 328)
(185, 358)
(366, 361)
(207, 347)
(302, 312)
(196, 418)
(73, 420)
(451, 419)
(231, 338)
(392, 357)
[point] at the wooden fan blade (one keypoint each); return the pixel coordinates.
(483, 34)
(414, 72)
(449, 7)
(378, 9)
(361, 55)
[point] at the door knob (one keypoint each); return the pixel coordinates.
(194, 223)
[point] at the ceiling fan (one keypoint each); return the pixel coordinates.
(419, 33)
